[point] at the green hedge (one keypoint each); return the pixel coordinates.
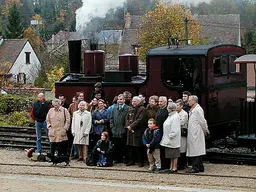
(15, 103)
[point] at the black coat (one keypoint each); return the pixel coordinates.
(137, 119)
(161, 116)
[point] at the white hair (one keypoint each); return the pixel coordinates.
(54, 101)
(194, 97)
(163, 98)
(137, 98)
(83, 103)
(172, 106)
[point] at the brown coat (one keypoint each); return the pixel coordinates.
(72, 108)
(137, 119)
(152, 111)
(58, 123)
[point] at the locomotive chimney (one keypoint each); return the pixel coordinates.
(74, 48)
(129, 62)
(94, 60)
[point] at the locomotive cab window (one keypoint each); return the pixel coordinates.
(182, 72)
(224, 65)
(231, 64)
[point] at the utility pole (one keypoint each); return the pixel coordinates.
(186, 30)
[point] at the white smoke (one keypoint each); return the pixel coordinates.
(94, 8)
(187, 2)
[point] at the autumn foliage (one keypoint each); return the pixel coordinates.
(167, 20)
(55, 75)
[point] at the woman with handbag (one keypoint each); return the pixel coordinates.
(184, 132)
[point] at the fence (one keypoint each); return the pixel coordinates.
(248, 118)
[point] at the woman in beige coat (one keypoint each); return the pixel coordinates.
(81, 126)
(58, 121)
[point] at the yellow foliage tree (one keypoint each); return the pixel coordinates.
(167, 20)
(34, 39)
(55, 75)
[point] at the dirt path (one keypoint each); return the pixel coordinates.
(44, 176)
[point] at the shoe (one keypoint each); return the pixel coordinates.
(192, 171)
(157, 170)
(172, 171)
(74, 157)
(80, 159)
(140, 165)
(130, 164)
(151, 169)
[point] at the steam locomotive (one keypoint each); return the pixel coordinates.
(205, 70)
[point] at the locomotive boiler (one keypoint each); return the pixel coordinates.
(205, 70)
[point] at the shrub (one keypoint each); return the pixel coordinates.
(19, 118)
(15, 103)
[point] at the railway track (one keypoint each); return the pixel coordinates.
(123, 170)
(137, 176)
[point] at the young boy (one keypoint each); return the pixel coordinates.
(151, 139)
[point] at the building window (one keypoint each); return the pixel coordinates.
(27, 54)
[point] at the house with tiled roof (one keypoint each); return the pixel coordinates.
(19, 60)
(220, 29)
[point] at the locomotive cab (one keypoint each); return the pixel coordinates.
(207, 71)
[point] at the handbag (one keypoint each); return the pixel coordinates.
(184, 132)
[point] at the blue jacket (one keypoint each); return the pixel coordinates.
(152, 137)
(99, 115)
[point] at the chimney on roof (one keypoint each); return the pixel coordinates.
(128, 21)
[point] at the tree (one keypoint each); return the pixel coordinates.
(250, 41)
(14, 27)
(34, 39)
(167, 20)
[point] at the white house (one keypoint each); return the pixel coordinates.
(18, 58)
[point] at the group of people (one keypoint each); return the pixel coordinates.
(127, 131)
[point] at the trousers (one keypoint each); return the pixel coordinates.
(154, 158)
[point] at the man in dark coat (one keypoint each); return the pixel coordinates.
(162, 113)
(185, 96)
(38, 114)
(161, 116)
(64, 103)
(136, 123)
(117, 126)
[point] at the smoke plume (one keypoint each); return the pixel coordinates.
(94, 8)
(194, 2)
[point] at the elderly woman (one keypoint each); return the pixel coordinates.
(81, 126)
(152, 106)
(58, 122)
(184, 132)
(171, 137)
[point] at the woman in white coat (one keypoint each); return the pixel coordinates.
(81, 126)
(171, 137)
(197, 130)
